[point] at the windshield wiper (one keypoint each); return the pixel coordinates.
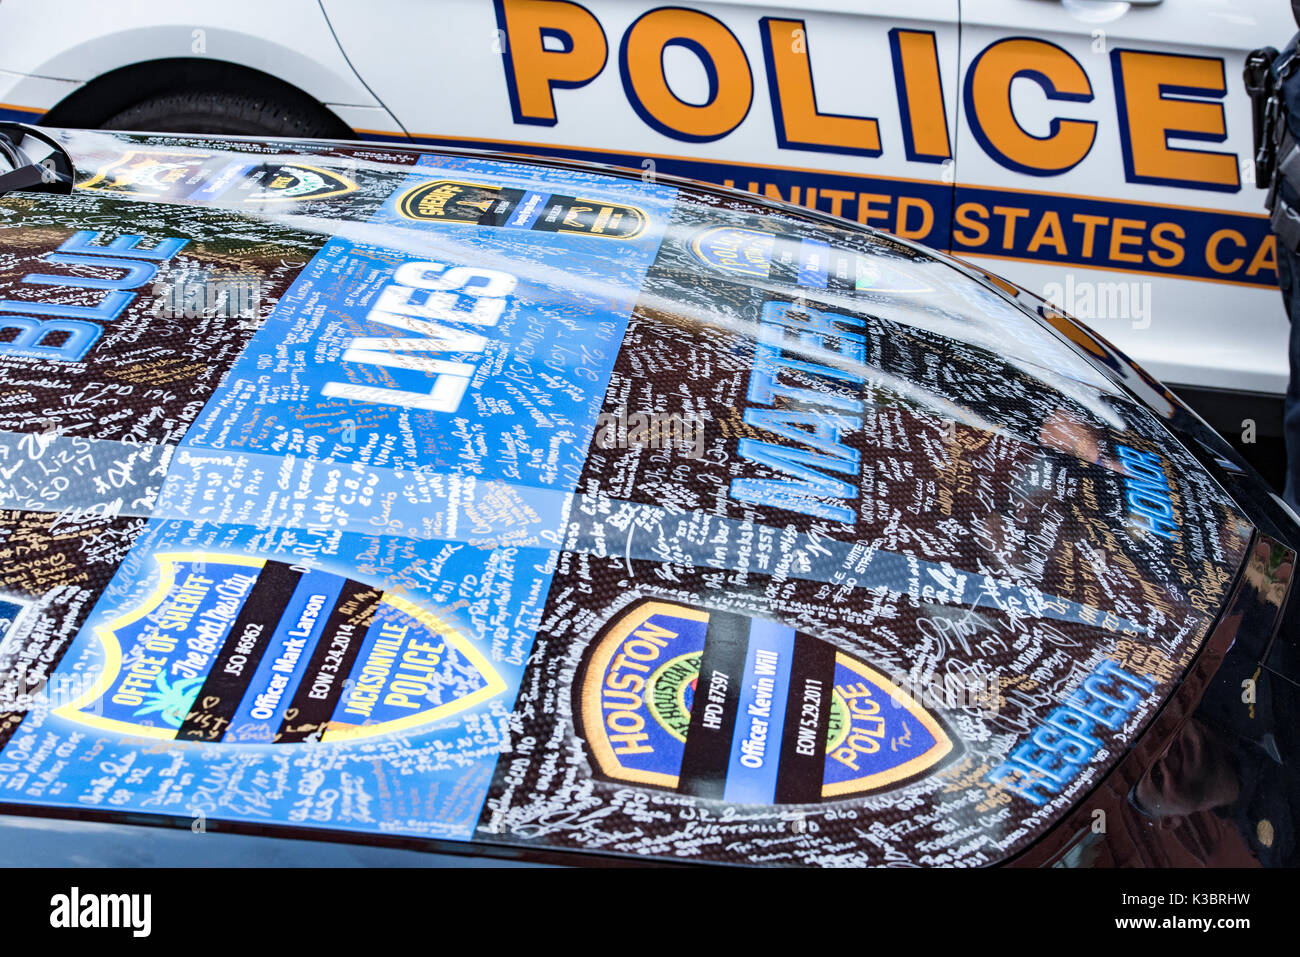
(39, 164)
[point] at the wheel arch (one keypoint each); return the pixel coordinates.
(108, 94)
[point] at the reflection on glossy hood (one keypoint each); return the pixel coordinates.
(526, 504)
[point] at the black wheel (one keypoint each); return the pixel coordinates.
(216, 111)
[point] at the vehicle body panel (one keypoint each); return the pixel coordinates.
(1162, 251)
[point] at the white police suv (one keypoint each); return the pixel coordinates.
(1096, 152)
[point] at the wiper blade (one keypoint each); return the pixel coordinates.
(40, 165)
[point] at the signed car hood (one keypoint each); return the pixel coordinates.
(434, 496)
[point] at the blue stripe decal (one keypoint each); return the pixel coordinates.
(211, 189)
(11, 114)
(813, 259)
(530, 207)
(280, 670)
(756, 741)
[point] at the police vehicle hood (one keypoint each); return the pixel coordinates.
(443, 496)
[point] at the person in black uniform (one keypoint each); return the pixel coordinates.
(1273, 81)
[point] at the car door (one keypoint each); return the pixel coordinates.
(847, 107)
(1105, 162)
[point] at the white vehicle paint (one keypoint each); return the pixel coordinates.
(1097, 152)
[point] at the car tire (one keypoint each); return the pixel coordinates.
(216, 111)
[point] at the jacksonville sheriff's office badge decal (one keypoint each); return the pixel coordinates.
(239, 650)
(197, 178)
(746, 710)
(453, 202)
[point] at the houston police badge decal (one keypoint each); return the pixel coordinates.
(745, 710)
